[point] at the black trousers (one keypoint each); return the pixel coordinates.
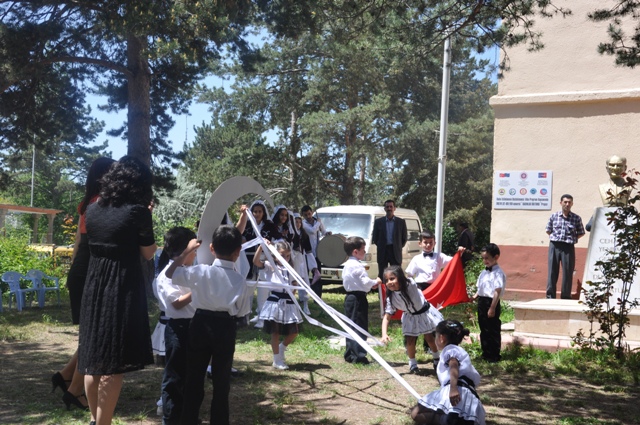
(389, 260)
(212, 336)
(176, 337)
(565, 254)
(490, 337)
(356, 308)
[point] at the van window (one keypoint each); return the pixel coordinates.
(413, 229)
(347, 224)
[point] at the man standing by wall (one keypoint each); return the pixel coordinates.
(389, 235)
(564, 229)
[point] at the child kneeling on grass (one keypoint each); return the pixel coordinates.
(456, 402)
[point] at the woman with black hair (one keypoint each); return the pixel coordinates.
(114, 323)
(74, 391)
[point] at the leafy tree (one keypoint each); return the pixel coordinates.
(182, 207)
(625, 47)
(355, 116)
(619, 268)
(144, 56)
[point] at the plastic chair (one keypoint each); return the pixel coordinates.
(13, 280)
(38, 277)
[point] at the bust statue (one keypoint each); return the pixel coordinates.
(614, 193)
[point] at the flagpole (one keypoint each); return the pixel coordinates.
(442, 153)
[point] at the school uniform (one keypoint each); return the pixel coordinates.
(279, 313)
(490, 279)
(357, 283)
(219, 295)
(176, 337)
(426, 267)
(470, 407)
(418, 317)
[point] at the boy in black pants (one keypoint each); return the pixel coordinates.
(220, 296)
(491, 284)
(356, 307)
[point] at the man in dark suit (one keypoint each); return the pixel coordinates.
(389, 235)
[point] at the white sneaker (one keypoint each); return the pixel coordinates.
(259, 324)
(254, 319)
(305, 307)
(281, 365)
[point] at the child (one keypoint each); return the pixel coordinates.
(283, 225)
(175, 301)
(491, 284)
(456, 402)
(268, 231)
(300, 259)
(279, 313)
(220, 295)
(418, 317)
(425, 267)
(356, 307)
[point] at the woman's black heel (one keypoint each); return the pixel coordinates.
(57, 380)
(70, 399)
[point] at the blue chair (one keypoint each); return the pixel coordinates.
(38, 278)
(21, 294)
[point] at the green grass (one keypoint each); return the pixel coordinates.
(270, 397)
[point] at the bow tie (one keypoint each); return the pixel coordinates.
(488, 268)
(428, 254)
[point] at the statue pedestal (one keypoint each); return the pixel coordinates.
(602, 241)
(549, 324)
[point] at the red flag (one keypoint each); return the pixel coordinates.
(449, 288)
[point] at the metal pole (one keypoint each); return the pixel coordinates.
(442, 153)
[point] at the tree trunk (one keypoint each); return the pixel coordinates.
(346, 197)
(139, 108)
(363, 165)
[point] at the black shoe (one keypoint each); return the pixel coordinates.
(70, 399)
(236, 373)
(414, 369)
(57, 380)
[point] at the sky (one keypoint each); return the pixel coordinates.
(183, 130)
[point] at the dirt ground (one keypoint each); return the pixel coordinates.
(322, 390)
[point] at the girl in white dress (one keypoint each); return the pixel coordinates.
(279, 314)
(418, 317)
(456, 402)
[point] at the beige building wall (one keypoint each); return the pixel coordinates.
(567, 109)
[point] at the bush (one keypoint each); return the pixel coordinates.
(16, 256)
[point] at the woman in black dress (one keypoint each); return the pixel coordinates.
(114, 324)
(74, 391)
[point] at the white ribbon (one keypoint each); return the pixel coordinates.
(342, 320)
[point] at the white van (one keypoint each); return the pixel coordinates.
(357, 220)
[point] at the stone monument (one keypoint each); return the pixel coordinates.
(613, 193)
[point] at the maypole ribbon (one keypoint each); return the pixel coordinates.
(339, 318)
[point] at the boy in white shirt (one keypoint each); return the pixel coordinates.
(425, 267)
(491, 285)
(220, 296)
(357, 283)
(175, 301)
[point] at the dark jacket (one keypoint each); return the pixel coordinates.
(379, 237)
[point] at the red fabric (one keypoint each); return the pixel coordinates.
(82, 225)
(449, 288)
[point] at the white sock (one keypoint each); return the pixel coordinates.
(413, 362)
(436, 355)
